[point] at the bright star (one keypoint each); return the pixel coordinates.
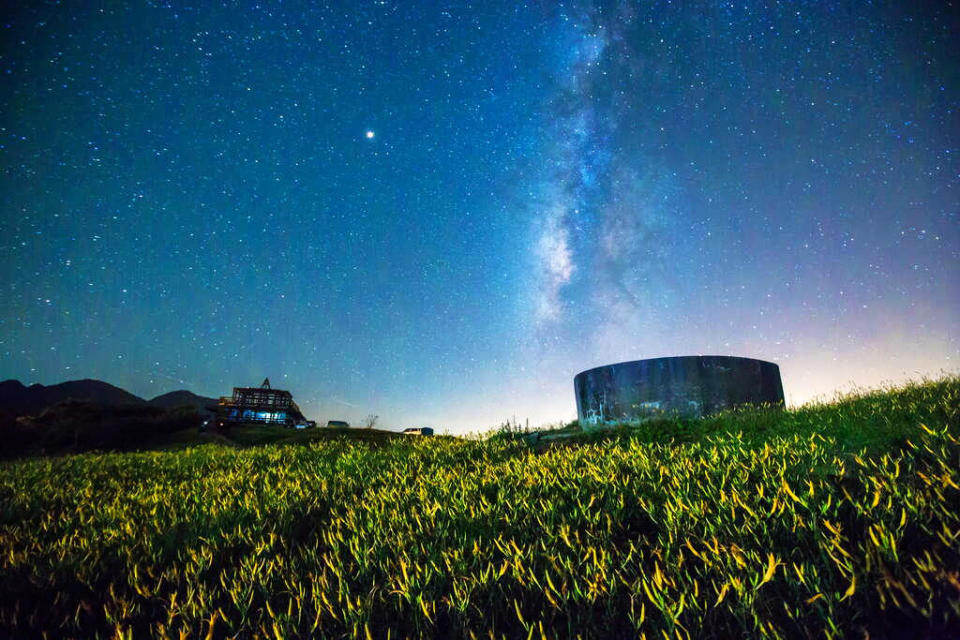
(370, 135)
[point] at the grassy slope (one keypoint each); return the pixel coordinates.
(149, 439)
(826, 520)
(874, 419)
(255, 435)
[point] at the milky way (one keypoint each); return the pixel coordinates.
(440, 214)
(608, 215)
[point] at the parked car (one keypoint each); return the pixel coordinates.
(418, 431)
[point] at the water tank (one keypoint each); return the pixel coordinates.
(684, 386)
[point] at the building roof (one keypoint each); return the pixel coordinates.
(263, 398)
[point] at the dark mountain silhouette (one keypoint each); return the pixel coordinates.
(91, 414)
(183, 398)
(17, 399)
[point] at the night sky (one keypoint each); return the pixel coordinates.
(440, 213)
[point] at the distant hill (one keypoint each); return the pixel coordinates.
(18, 400)
(91, 414)
(183, 398)
(21, 400)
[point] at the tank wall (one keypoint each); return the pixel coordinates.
(687, 386)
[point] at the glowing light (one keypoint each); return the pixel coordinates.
(370, 134)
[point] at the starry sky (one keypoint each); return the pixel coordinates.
(440, 212)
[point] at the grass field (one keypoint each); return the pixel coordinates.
(836, 520)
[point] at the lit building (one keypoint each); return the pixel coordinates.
(260, 405)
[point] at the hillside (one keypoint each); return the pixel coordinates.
(838, 520)
(74, 427)
(184, 398)
(81, 415)
(18, 399)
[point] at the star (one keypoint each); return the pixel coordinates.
(527, 198)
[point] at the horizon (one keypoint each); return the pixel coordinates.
(837, 394)
(440, 215)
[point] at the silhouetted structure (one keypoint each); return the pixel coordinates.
(684, 386)
(260, 405)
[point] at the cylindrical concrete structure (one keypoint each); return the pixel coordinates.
(684, 386)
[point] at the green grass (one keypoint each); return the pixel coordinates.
(256, 435)
(835, 520)
(874, 419)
